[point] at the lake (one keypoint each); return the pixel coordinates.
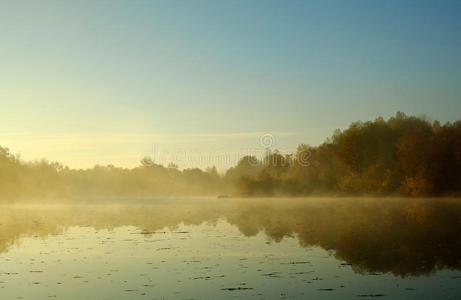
(199, 248)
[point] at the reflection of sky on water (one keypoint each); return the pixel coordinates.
(278, 248)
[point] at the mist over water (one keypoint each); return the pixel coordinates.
(234, 247)
(230, 149)
(149, 232)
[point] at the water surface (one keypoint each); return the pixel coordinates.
(317, 248)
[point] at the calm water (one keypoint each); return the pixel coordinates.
(316, 248)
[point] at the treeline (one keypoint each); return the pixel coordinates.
(403, 155)
(21, 180)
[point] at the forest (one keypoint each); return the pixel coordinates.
(401, 156)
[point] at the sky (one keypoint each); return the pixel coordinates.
(202, 83)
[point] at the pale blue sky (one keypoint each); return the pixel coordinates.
(84, 82)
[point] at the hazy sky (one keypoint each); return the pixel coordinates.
(86, 82)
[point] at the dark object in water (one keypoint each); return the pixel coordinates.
(223, 196)
(237, 289)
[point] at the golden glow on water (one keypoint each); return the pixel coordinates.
(208, 248)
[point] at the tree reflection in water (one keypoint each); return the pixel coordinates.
(398, 235)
